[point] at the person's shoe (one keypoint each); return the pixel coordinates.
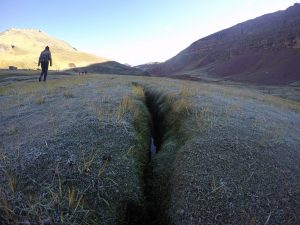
(39, 79)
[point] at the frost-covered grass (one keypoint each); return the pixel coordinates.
(75, 151)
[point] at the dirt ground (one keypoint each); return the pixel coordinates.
(67, 154)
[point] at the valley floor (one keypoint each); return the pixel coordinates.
(75, 150)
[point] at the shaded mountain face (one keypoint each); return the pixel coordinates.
(148, 66)
(262, 50)
(22, 48)
(111, 67)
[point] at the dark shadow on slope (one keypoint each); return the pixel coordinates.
(111, 67)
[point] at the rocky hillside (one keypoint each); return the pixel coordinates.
(262, 50)
(21, 48)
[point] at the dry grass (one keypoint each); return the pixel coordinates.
(138, 91)
(68, 93)
(183, 106)
(81, 186)
(40, 100)
(203, 118)
(11, 130)
(126, 104)
(243, 93)
(50, 87)
(99, 115)
(87, 162)
(188, 91)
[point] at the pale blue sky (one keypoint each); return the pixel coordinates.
(132, 31)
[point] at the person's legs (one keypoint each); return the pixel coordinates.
(40, 78)
(45, 75)
(45, 70)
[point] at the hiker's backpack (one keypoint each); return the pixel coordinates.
(43, 58)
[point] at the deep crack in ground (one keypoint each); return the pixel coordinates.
(152, 212)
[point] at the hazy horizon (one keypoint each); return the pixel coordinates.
(133, 32)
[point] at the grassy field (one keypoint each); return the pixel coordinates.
(75, 150)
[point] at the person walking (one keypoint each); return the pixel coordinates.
(44, 60)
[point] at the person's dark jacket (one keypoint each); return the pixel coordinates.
(45, 57)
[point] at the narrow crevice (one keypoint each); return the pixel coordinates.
(157, 119)
(158, 108)
(164, 125)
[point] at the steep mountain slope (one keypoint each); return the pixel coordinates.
(262, 50)
(21, 48)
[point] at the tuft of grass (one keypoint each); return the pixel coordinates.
(125, 105)
(68, 93)
(273, 133)
(102, 169)
(230, 110)
(74, 199)
(2, 156)
(12, 130)
(183, 106)
(185, 92)
(87, 162)
(203, 119)
(6, 211)
(11, 181)
(99, 115)
(40, 100)
(138, 91)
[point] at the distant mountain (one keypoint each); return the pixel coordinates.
(111, 67)
(22, 47)
(263, 50)
(148, 66)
